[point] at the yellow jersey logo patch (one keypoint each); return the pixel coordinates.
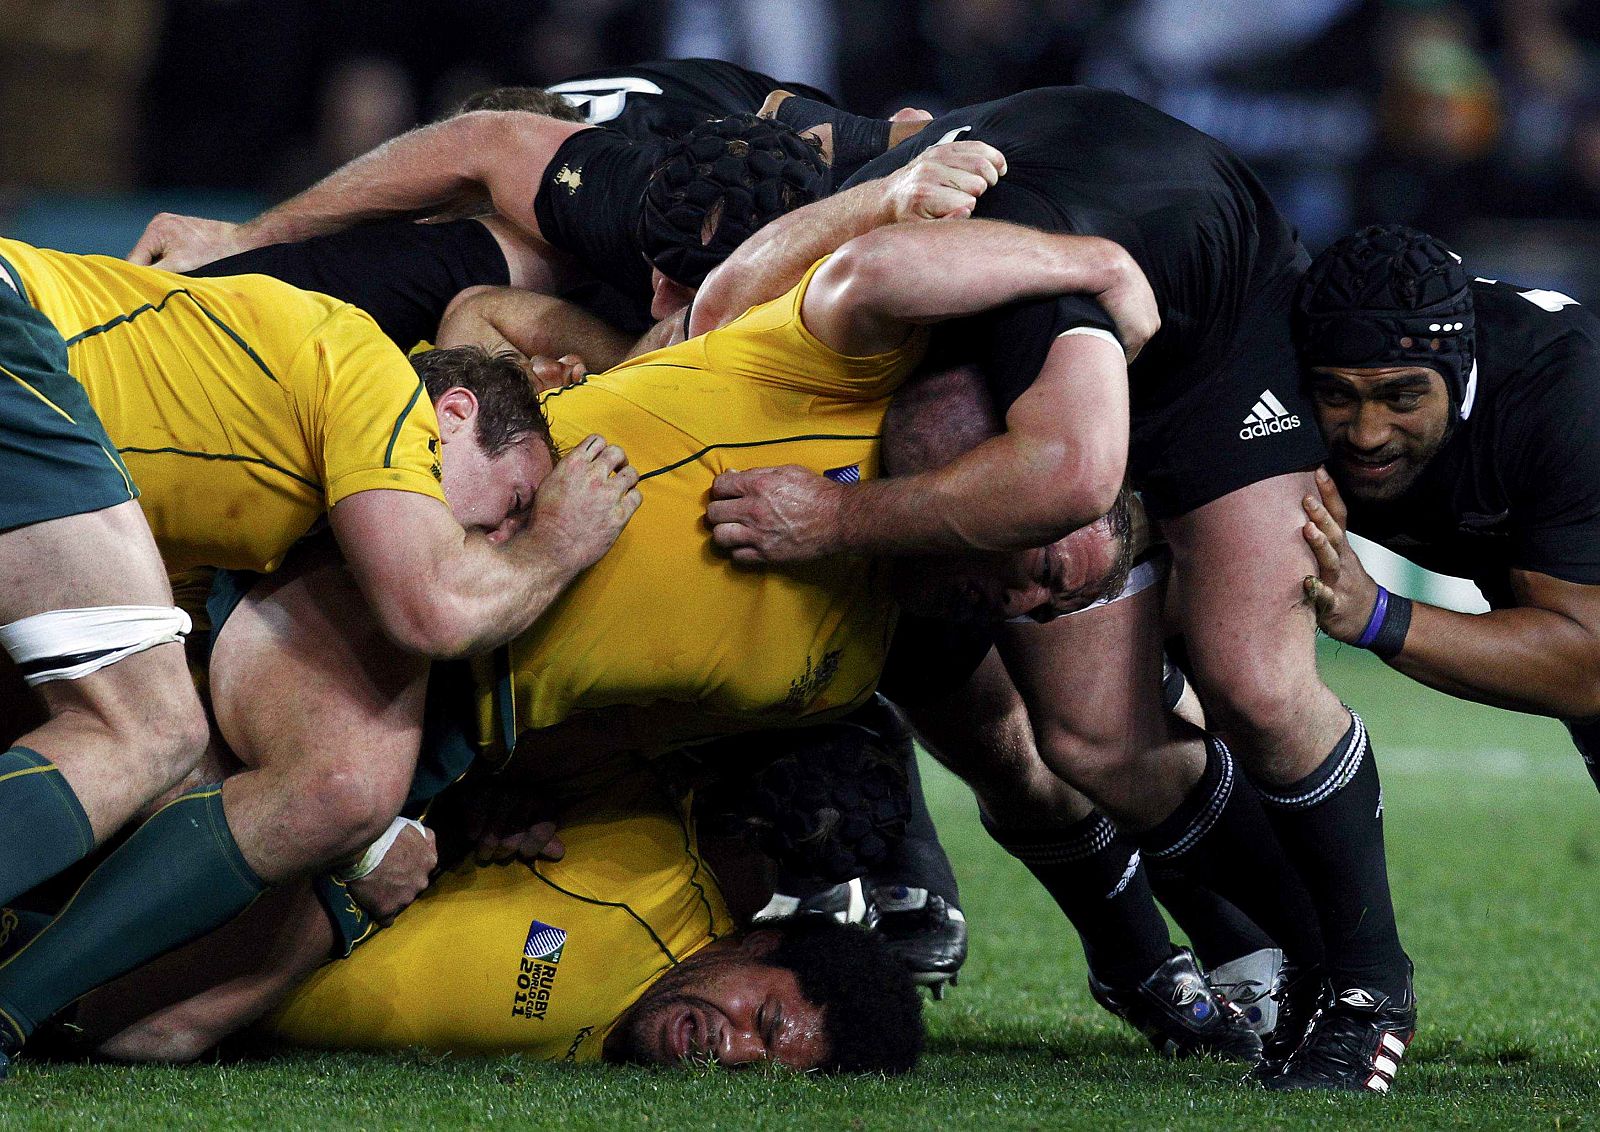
(571, 179)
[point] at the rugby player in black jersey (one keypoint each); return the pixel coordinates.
(635, 184)
(1222, 446)
(1463, 425)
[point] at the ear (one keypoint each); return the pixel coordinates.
(760, 943)
(457, 409)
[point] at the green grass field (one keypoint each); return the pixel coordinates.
(1494, 843)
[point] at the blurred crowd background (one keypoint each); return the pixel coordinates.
(1476, 119)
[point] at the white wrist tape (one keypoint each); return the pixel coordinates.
(376, 852)
(69, 644)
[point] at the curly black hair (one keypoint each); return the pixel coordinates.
(871, 1011)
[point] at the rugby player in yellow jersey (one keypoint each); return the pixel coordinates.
(249, 413)
(623, 950)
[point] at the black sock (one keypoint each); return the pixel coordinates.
(1219, 837)
(1095, 877)
(179, 876)
(44, 828)
(919, 861)
(1218, 931)
(1331, 825)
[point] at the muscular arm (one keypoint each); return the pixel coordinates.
(441, 166)
(443, 591)
(1542, 656)
(534, 325)
(945, 181)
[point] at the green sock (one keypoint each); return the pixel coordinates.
(44, 828)
(179, 876)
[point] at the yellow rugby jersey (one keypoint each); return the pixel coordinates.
(244, 407)
(537, 960)
(663, 621)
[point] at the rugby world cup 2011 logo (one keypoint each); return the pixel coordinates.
(536, 972)
(544, 943)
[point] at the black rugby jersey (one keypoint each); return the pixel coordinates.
(669, 97)
(1517, 485)
(1099, 163)
(400, 272)
(588, 200)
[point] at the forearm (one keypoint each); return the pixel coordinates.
(996, 497)
(417, 173)
(921, 273)
(1524, 658)
(775, 258)
(487, 594)
(532, 324)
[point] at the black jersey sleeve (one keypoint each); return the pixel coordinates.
(400, 272)
(1010, 343)
(589, 200)
(1558, 473)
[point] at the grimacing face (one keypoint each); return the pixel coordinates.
(1382, 426)
(724, 1005)
(491, 495)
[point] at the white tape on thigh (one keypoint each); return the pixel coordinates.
(69, 644)
(378, 850)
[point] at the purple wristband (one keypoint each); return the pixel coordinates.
(1375, 622)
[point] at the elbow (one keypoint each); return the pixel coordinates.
(861, 273)
(431, 630)
(1084, 484)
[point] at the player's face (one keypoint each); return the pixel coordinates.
(1038, 584)
(727, 1006)
(493, 495)
(1382, 425)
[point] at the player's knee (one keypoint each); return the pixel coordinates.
(1102, 765)
(1253, 703)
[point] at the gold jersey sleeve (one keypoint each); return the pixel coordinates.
(540, 961)
(665, 624)
(244, 408)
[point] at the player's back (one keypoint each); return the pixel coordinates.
(1097, 162)
(669, 97)
(238, 403)
(663, 620)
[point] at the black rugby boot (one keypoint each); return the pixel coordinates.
(1354, 1043)
(923, 930)
(1179, 1012)
(1298, 994)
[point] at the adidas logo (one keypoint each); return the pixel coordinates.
(1385, 1062)
(1267, 417)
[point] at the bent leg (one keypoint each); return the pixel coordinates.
(1239, 564)
(328, 716)
(113, 739)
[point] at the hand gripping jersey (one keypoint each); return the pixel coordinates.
(663, 621)
(540, 960)
(1221, 260)
(243, 408)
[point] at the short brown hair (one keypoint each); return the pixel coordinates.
(508, 407)
(533, 99)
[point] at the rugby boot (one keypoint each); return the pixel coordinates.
(923, 930)
(1179, 1012)
(1354, 1043)
(10, 1046)
(1248, 982)
(1298, 995)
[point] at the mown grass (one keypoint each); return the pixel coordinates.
(1494, 834)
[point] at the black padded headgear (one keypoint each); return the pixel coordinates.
(758, 169)
(1370, 294)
